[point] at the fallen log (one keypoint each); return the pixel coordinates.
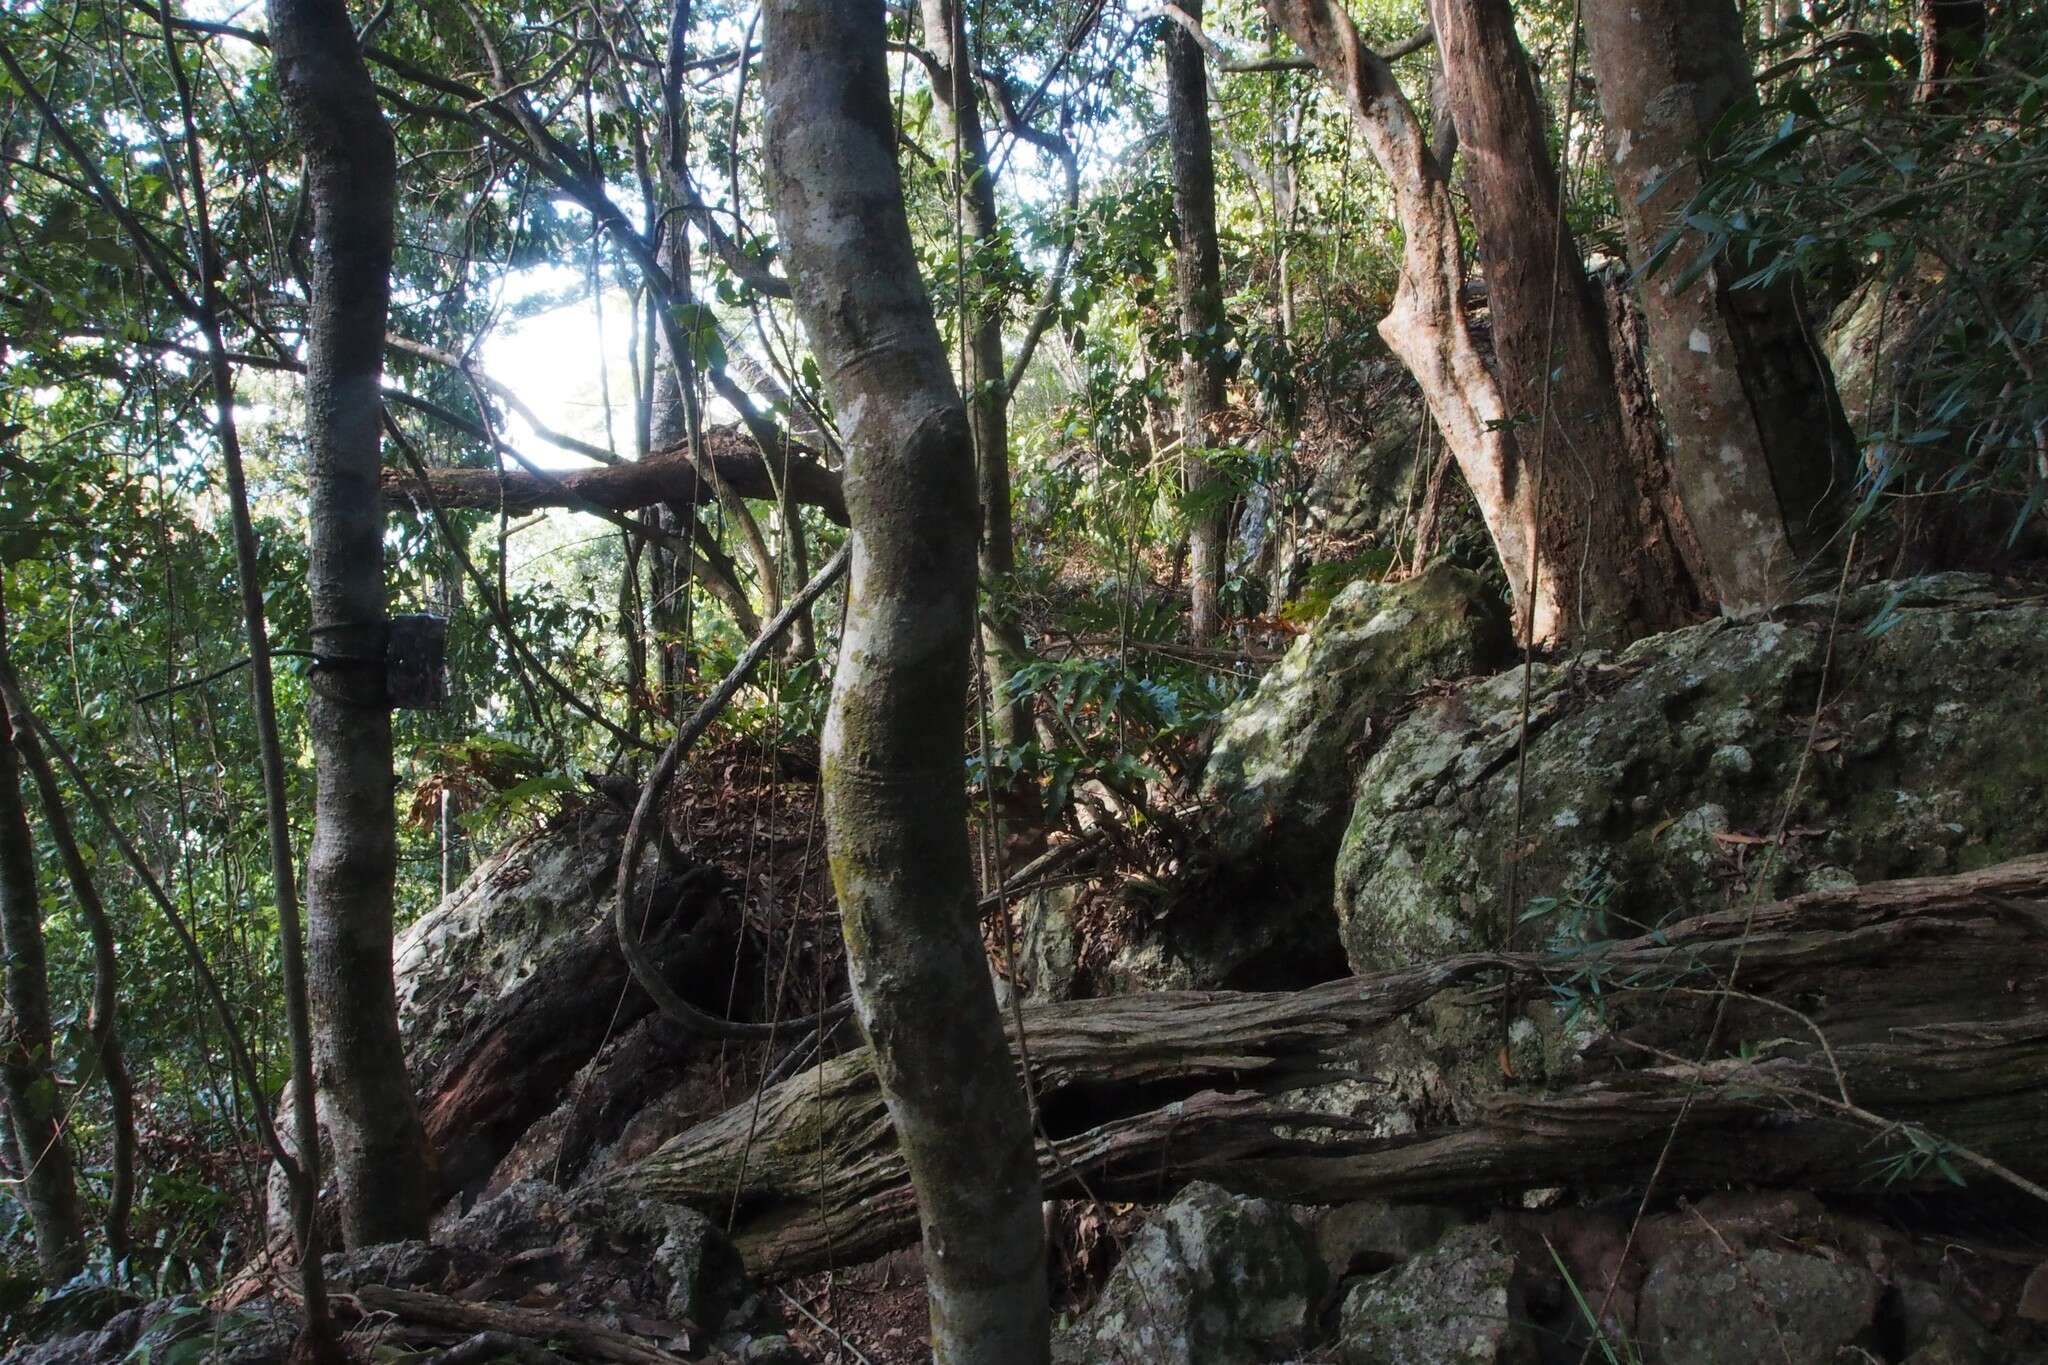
(666, 476)
(1868, 1029)
(583, 1338)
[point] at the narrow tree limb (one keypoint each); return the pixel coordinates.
(667, 476)
(1931, 997)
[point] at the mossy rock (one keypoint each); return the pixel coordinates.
(1656, 777)
(1281, 769)
(1214, 1279)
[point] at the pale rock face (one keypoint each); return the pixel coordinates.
(1656, 776)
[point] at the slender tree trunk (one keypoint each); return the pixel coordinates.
(381, 1162)
(894, 793)
(955, 87)
(34, 1105)
(1197, 276)
(1617, 562)
(103, 1021)
(1760, 446)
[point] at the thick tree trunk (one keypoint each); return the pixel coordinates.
(1197, 275)
(381, 1160)
(1761, 449)
(28, 1077)
(1931, 996)
(955, 89)
(1619, 563)
(893, 786)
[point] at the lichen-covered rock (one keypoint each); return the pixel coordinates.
(533, 894)
(1215, 1279)
(1656, 777)
(1703, 1306)
(1459, 1303)
(1280, 772)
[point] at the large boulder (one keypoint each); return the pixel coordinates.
(1281, 769)
(1656, 778)
(1215, 1279)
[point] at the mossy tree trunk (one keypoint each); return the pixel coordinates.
(894, 791)
(954, 87)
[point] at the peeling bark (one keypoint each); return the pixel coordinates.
(893, 784)
(1617, 558)
(1931, 994)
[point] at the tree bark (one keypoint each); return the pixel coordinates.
(1197, 277)
(1951, 32)
(1426, 327)
(955, 89)
(103, 1022)
(382, 1164)
(893, 785)
(670, 475)
(1931, 995)
(1761, 449)
(28, 1077)
(1618, 563)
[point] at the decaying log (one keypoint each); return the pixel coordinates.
(1931, 995)
(586, 1339)
(666, 476)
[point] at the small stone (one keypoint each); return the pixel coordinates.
(1732, 763)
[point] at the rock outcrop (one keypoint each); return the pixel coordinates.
(1658, 779)
(1256, 911)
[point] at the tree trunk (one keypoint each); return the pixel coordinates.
(893, 787)
(103, 1020)
(1761, 449)
(954, 89)
(1618, 562)
(27, 1074)
(1426, 328)
(1931, 994)
(1197, 276)
(1951, 32)
(381, 1161)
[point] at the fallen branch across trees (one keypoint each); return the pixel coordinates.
(667, 476)
(1924, 1002)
